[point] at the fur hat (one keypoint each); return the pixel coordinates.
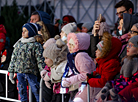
(57, 52)
(32, 28)
(134, 40)
(87, 25)
(70, 27)
(100, 45)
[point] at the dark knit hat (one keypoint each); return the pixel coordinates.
(32, 28)
(134, 40)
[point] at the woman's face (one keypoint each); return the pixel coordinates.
(131, 49)
(63, 34)
(98, 53)
(134, 31)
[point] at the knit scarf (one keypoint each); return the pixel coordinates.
(71, 63)
(24, 40)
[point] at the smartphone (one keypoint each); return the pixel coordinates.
(100, 18)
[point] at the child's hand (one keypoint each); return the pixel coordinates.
(46, 78)
(43, 73)
(66, 82)
(11, 76)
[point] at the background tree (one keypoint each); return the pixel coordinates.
(14, 21)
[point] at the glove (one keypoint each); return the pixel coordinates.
(11, 76)
(43, 73)
(48, 84)
(46, 78)
(66, 82)
(90, 75)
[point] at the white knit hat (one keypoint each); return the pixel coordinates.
(70, 27)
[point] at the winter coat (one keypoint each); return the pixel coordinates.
(2, 38)
(108, 66)
(27, 58)
(83, 63)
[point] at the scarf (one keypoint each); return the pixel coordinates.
(71, 64)
(24, 40)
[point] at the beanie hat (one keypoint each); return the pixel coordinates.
(87, 25)
(57, 52)
(32, 28)
(100, 45)
(134, 40)
(70, 27)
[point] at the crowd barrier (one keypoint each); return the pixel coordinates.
(15, 100)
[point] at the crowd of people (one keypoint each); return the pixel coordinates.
(69, 55)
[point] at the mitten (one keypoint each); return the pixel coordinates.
(11, 76)
(48, 84)
(66, 82)
(43, 73)
(90, 75)
(46, 78)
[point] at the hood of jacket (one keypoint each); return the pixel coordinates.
(82, 41)
(115, 50)
(2, 29)
(128, 21)
(45, 17)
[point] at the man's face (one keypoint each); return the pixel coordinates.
(34, 18)
(120, 11)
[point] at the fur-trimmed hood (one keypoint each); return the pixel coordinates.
(82, 41)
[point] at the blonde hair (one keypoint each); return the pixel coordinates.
(44, 31)
(107, 44)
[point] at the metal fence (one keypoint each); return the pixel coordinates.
(82, 10)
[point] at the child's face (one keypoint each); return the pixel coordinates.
(84, 29)
(98, 53)
(71, 47)
(63, 34)
(131, 49)
(48, 62)
(25, 33)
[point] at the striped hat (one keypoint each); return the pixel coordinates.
(32, 28)
(100, 45)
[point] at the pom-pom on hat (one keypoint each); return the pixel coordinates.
(32, 28)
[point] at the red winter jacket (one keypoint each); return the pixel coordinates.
(108, 67)
(2, 38)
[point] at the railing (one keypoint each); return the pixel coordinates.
(6, 78)
(30, 92)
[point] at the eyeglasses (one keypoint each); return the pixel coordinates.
(120, 13)
(132, 32)
(129, 45)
